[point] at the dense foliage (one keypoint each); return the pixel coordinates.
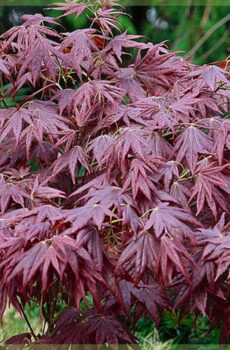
(115, 188)
(202, 32)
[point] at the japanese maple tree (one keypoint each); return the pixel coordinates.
(115, 180)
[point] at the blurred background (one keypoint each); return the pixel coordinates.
(202, 32)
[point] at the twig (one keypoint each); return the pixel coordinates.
(27, 321)
(206, 15)
(207, 35)
(182, 24)
(215, 47)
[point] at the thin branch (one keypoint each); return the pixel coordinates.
(215, 47)
(206, 15)
(207, 35)
(27, 321)
(181, 29)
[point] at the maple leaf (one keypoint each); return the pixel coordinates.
(173, 251)
(56, 253)
(146, 252)
(84, 101)
(106, 19)
(181, 191)
(70, 159)
(43, 119)
(168, 219)
(139, 254)
(89, 237)
(69, 9)
(81, 216)
(205, 189)
(4, 67)
(159, 145)
(14, 122)
(82, 49)
(99, 145)
(10, 191)
(218, 129)
(138, 179)
(189, 144)
(123, 40)
(169, 172)
(24, 217)
(44, 192)
(151, 69)
(127, 81)
(91, 328)
(150, 298)
(37, 19)
(113, 196)
(196, 296)
(131, 141)
(35, 51)
(24, 338)
(209, 76)
(106, 328)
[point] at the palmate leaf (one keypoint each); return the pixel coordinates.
(208, 75)
(159, 145)
(84, 101)
(166, 110)
(181, 191)
(56, 254)
(100, 145)
(169, 173)
(41, 191)
(215, 244)
(90, 328)
(208, 179)
(128, 114)
(107, 328)
(70, 159)
(116, 44)
(157, 114)
(13, 121)
(189, 144)
(165, 218)
(28, 31)
(81, 49)
(138, 179)
(87, 214)
(139, 254)
(149, 299)
(114, 197)
(11, 192)
(130, 142)
(34, 50)
(69, 9)
(106, 19)
(198, 295)
(218, 129)
(89, 238)
(24, 217)
(152, 70)
(127, 81)
(4, 67)
(39, 118)
(145, 252)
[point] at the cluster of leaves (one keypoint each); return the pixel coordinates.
(114, 180)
